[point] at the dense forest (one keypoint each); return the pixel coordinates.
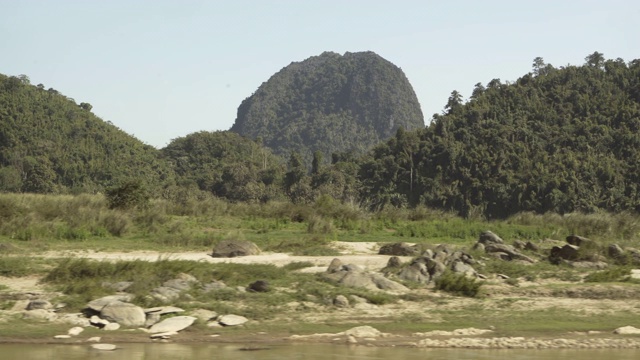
(330, 103)
(558, 139)
(48, 143)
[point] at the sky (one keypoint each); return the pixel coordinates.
(162, 69)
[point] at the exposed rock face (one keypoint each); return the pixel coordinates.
(125, 314)
(398, 249)
(330, 103)
(234, 248)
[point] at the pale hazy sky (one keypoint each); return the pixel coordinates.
(162, 69)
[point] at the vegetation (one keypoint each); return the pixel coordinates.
(330, 103)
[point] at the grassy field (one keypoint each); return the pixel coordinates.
(32, 224)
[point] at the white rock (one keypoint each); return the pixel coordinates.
(94, 339)
(98, 304)
(626, 330)
(163, 335)
(176, 323)
(111, 327)
(107, 347)
(74, 331)
(161, 310)
(363, 332)
(62, 337)
(96, 320)
(232, 320)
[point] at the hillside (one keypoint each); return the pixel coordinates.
(330, 103)
(48, 143)
(556, 140)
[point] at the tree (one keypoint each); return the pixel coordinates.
(316, 164)
(595, 60)
(538, 66)
(454, 102)
(130, 194)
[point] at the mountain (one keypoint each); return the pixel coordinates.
(330, 103)
(50, 144)
(556, 140)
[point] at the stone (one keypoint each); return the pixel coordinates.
(627, 330)
(97, 321)
(398, 249)
(75, 331)
(213, 286)
(341, 301)
(204, 315)
(40, 314)
(20, 305)
(635, 274)
(488, 237)
(98, 304)
(567, 252)
(363, 332)
(165, 294)
(119, 286)
(94, 339)
(615, 251)
(416, 272)
(509, 250)
(111, 327)
(161, 310)
(519, 244)
(394, 262)
(76, 319)
(579, 241)
(178, 284)
(234, 248)
(531, 246)
(62, 337)
(462, 268)
(104, 347)
(259, 286)
(152, 318)
(334, 266)
(478, 247)
(175, 323)
(39, 304)
(125, 314)
(232, 320)
(163, 335)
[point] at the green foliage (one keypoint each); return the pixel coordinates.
(612, 274)
(330, 103)
(560, 140)
(458, 284)
(131, 194)
(49, 144)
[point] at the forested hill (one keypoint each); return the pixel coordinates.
(330, 103)
(557, 139)
(48, 143)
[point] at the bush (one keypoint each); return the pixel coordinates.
(458, 284)
(614, 274)
(131, 194)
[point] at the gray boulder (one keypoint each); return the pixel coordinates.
(416, 272)
(175, 323)
(460, 267)
(125, 314)
(232, 320)
(509, 250)
(394, 262)
(39, 304)
(235, 248)
(489, 237)
(334, 266)
(341, 301)
(567, 252)
(98, 304)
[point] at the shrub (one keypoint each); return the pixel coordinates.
(131, 194)
(614, 274)
(458, 284)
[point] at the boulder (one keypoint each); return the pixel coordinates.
(416, 272)
(104, 347)
(580, 241)
(519, 244)
(363, 332)
(39, 304)
(204, 315)
(98, 304)
(334, 266)
(111, 326)
(118, 286)
(152, 319)
(161, 310)
(125, 314)
(259, 286)
(234, 248)
(394, 262)
(627, 330)
(509, 250)
(163, 335)
(75, 331)
(462, 268)
(615, 251)
(40, 314)
(97, 321)
(531, 246)
(232, 320)
(175, 323)
(213, 286)
(567, 252)
(489, 237)
(398, 249)
(165, 294)
(341, 301)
